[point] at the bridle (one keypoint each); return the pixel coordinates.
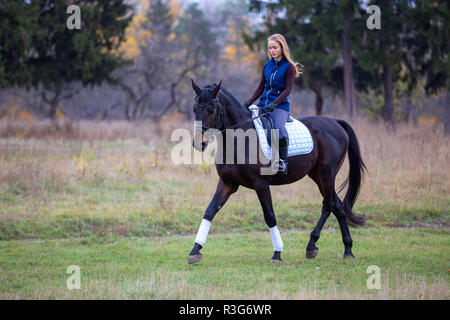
(221, 114)
(218, 118)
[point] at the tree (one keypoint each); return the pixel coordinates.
(150, 31)
(167, 53)
(38, 50)
(347, 12)
(412, 43)
(428, 48)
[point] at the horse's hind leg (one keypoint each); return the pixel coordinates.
(223, 192)
(311, 249)
(338, 211)
(325, 182)
(263, 192)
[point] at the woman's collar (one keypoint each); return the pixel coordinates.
(283, 58)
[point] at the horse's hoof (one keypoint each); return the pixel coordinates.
(276, 261)
(195, 258)
(312, 253)
(349, 256)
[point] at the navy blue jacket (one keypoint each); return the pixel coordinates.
(275, 82)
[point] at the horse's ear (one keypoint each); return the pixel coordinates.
(216, 90)
(196, 87)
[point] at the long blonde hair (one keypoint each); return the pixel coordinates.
(284, 46)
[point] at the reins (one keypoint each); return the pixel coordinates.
(233, 126)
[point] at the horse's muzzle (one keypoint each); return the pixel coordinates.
(201, 147)
(200, 142)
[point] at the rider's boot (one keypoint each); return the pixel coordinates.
(282, 163)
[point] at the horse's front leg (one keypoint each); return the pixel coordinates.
(223, 192)
(263, 192)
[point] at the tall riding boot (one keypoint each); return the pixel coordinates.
(282, 168)
(283, 153)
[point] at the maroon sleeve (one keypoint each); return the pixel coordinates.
(290, 74)
(259, 91)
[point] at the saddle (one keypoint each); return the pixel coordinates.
(267, 125)
(300, 139)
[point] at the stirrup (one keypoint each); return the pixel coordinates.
(277, 164)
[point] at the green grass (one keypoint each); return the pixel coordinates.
(413, 265)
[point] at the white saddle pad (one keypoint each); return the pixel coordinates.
(300, 140)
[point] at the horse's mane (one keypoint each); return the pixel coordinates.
(230, 96)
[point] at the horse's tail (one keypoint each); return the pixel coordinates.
(357, 168)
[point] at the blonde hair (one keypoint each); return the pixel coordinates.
(285, 48)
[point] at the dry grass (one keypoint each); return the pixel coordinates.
(410, 163)
(405, 165)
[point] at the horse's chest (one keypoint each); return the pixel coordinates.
(226, 172)
(234, 174)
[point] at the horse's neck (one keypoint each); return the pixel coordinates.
(237, 118)
(235, 114)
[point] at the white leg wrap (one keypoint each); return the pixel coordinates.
(276, 239)
(203, 232)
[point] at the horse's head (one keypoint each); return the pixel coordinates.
(208, 110)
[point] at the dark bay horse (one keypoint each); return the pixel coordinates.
(217, 108)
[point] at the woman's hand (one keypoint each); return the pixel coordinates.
(271, 107)
(246, 104)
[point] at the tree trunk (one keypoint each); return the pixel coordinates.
(349, 86)
(319, 101)
(53, 103)
(447, 114)
(388, 109)
(52, 111)
(127, 111)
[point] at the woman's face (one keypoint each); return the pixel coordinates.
(275, 50)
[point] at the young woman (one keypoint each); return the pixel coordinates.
(276, 83)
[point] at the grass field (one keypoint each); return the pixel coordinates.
(413, 265)
(108, 198)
